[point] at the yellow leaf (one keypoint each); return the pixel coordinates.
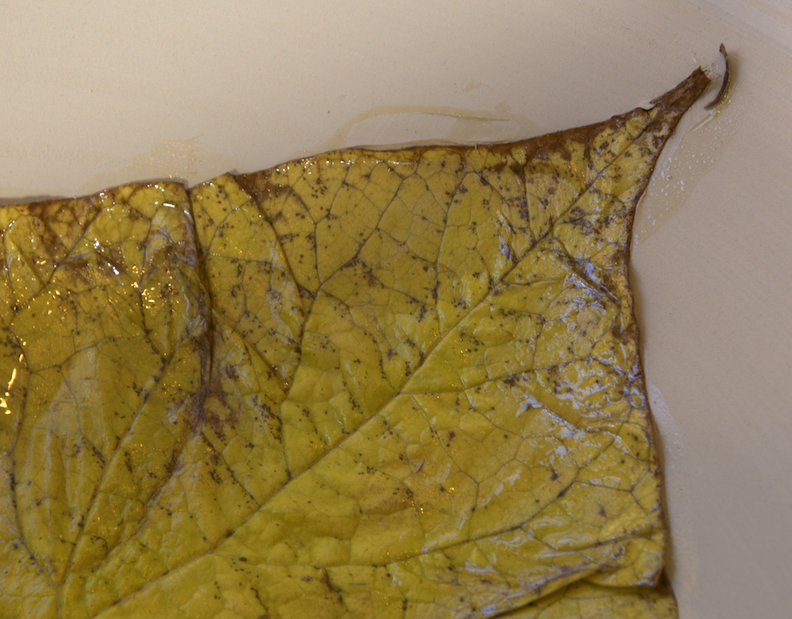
(365, 384)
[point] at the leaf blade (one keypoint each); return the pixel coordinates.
(424, 393)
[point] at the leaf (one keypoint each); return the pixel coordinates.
(363, 384)
(583, 599)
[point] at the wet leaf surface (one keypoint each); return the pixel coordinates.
(364, 384)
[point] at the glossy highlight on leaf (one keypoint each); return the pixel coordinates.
(386, 384)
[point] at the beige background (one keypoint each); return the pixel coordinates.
(100, 93)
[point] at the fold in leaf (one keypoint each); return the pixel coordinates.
(364, 384)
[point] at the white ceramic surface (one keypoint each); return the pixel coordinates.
(100, 93)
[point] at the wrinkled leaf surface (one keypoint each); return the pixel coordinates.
(364, 384)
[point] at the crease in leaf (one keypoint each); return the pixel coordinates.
(364, 384)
